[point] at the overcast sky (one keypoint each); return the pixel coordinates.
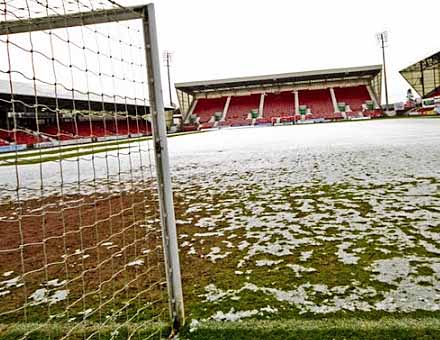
(214, 39)
(231, 38)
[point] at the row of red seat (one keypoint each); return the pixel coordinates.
(207, 107)
(20, 137)
(319, 102)
(70, 130)
(354, 96)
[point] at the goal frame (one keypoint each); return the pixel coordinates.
(146, 13)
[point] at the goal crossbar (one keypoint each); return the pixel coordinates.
(72, 20)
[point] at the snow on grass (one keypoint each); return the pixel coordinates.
(56, 283)
(86, 312)
(233, 315)
(243, 245)
(6, 274)
(344, 256)
(298, 269)
(213, 293)
(215, 254)
(12, 283)
(134, 263)
(194, 324)
(268, 263)
(430, 247)
(185, 244)
(306, 255)
(43, 296)
(361, 211)
(391, 271)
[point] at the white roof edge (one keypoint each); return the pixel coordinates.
(428, 55)
(279, 76)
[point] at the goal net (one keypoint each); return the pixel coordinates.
(81, 241)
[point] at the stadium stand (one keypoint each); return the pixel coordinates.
(279, 99)
(423, 76)
(62, 127)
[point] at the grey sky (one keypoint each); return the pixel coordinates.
(230, 38)
(233, 38)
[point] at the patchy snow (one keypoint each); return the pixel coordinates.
(277, 193)
(214, 294)
(194, 324)
(233, 315)
(306, 255)
(135, 263)
(43, 295)
(300, 269)
(58, 295)
(11, 283)
(56, 283)
(344, 256)
(86, 312)
(6, 274)
(215, 254)
(39, 296)
(267, 263)
(430, 247)
(243, 245)
(391, 271)
(185, 244)
(269, 309)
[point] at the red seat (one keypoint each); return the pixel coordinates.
(240, 108)
(279, 104)
(207, 107)
(354, 96)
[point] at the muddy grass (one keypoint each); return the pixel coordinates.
(96, 258)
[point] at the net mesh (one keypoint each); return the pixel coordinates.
(80, 239)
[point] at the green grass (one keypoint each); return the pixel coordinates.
(354, 329)
(327, 329)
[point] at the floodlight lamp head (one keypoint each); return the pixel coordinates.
(167, 56)
(382, 36)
